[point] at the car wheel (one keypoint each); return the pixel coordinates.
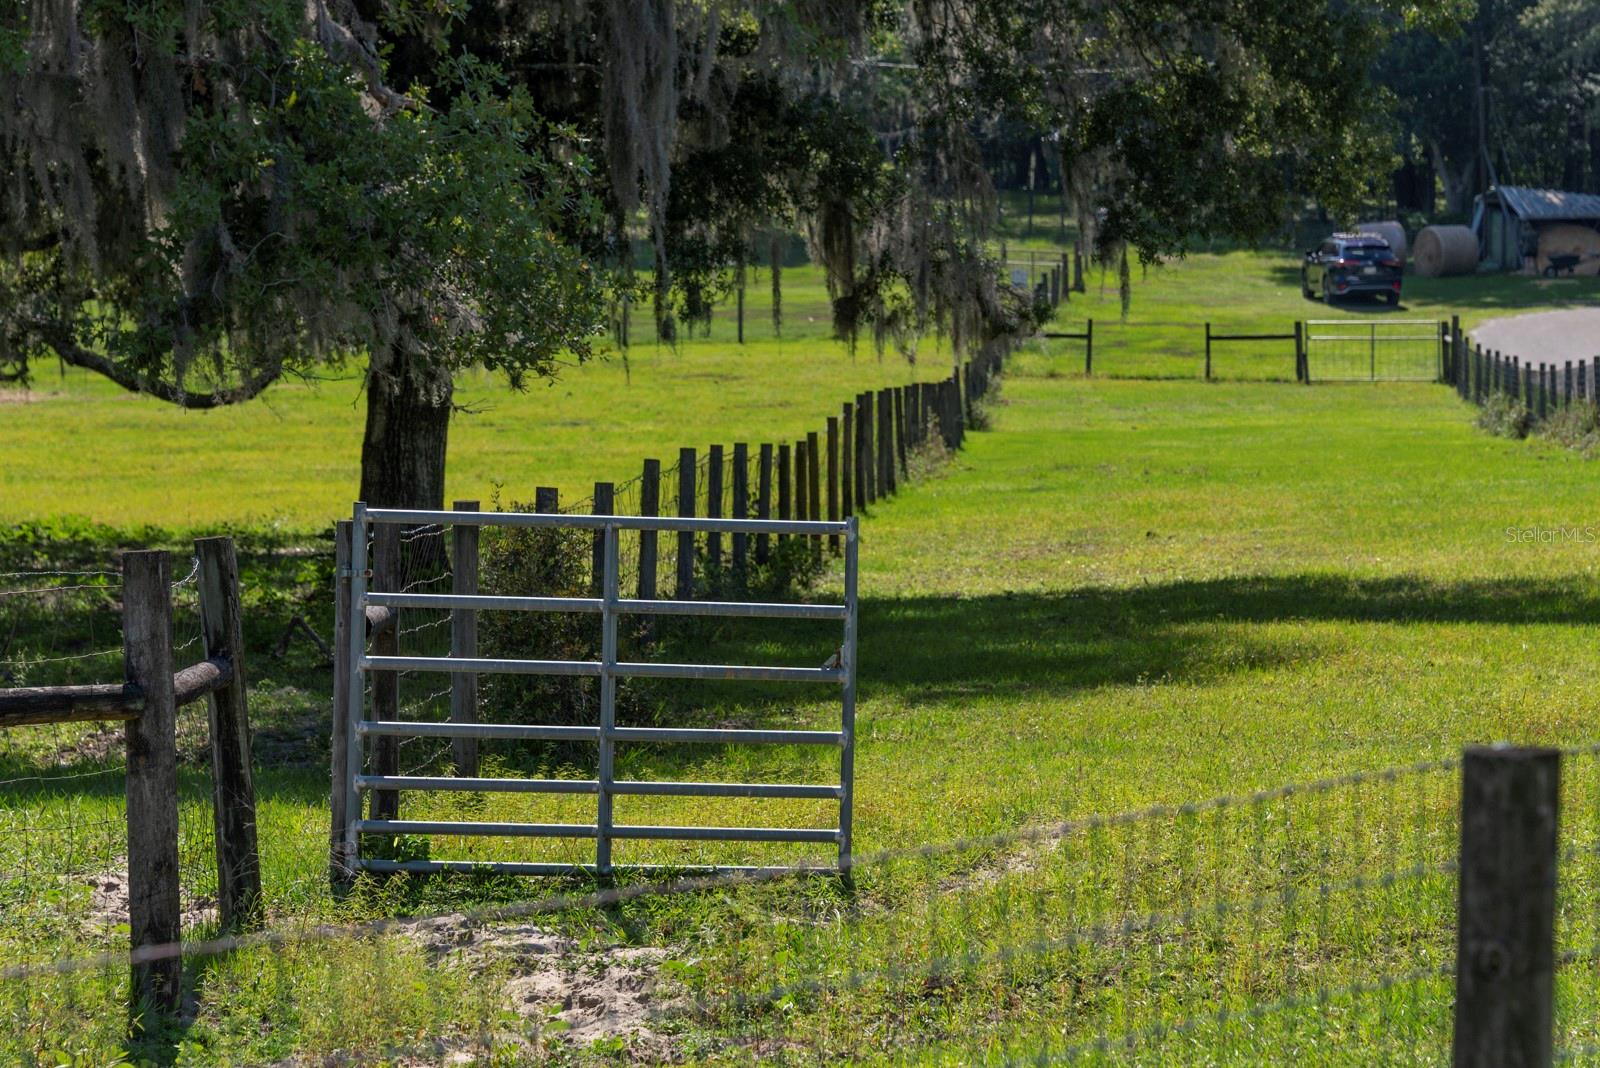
(1327, 292)
(1305, 287)
(1393, 299)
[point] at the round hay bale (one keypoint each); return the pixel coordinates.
(1441, 251)
(1392, 232)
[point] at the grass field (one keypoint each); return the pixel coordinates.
(1127, 593)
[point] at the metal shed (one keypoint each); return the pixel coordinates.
(1507, 220)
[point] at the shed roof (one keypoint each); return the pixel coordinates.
(1547, 205)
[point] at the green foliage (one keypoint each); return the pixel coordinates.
(1505, 416)
(1576, 427)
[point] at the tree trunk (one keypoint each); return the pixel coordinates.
(408, 425)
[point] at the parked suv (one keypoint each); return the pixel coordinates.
(1346, 264)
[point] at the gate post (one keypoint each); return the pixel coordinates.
(346, 803)
(233, 787)
(1299, 351)
(151, 784)
(1505, 950)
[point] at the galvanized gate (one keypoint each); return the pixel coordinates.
(1375, 350)
(352, 735)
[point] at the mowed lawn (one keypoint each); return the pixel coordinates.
(78, 446)
(1125, 593)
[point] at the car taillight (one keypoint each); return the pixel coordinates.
(1389, 263)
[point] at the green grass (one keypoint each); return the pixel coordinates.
(1128, 593)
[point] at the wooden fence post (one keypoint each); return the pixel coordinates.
(688, 476)
(1582, 386)
(1299, 351)
(385, 804)
(649, 504)
(764, 500)
(233, 792)
(151, 782)
(814, 490)
(1208, 352)
(866, 481)
(1088, 347)
(340, 864)
(714, 511)
(900, 426)
(1505, 921)
(833, 480)
(741, 510)
(784, 502)
(847, 463)
(885, 442)
(464, 633)
(546, 499)
(604, 502)
(802, 480)
(741, 314)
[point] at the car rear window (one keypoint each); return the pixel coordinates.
(1366, 253)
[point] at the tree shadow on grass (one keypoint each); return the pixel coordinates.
(1061, 643)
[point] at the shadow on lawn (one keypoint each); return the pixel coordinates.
(1098, 636)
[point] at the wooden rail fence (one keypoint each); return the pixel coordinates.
(147, 700)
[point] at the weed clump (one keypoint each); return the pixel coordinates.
(1576, 427)
(1505, 417)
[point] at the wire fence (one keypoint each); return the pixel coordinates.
(1313, 921)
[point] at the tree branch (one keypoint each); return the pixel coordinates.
(60, 338)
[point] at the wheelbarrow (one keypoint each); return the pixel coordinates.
(1563, 263)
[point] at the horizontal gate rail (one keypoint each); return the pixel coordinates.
(481, 867)
(366, 613)
(477, 785)
(532, 732)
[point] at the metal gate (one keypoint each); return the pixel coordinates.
(356, 729)
(1374, 350)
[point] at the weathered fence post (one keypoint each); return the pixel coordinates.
(233, 792)
(688, 472)
(151, 782)
(714, 511)
(1566, 385)
(886, 442)
(464, 630)
(900, 427)
(1505, 925)
(1088, 346)
(784, 502)
(741, 510)
(764, 499)
(814, 490)
(866, 483)
(546, 499)
(386, 571)
(1582, 387)
(341, 868)
(833, 480)
(603, 502)
(802, 493)
(1208, 352)
(1299, 351)
(649, 504)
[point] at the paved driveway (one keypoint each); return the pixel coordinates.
(1544, 337)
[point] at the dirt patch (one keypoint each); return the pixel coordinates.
(20, 396)
(108, 902)
(595, 995)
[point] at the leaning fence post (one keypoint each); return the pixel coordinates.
(233, 792)
(151, 782)
(649, 504)
(1505, 926)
